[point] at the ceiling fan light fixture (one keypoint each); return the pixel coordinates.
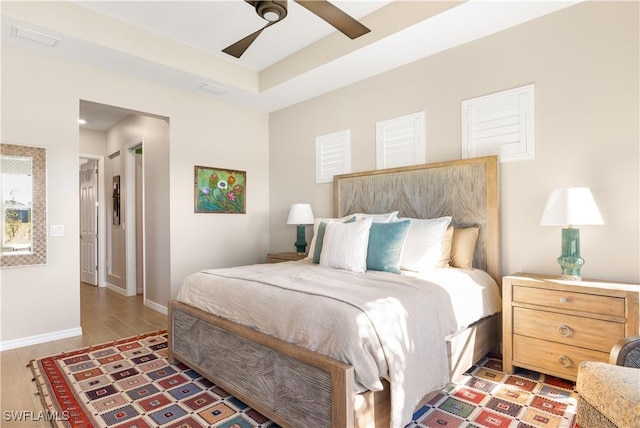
(272, 11)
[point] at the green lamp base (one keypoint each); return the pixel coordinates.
(301, 244)
(570, 260)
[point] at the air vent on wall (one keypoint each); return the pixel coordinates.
(34, 36)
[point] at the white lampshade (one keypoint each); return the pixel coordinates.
(573, 206)
(300, 214)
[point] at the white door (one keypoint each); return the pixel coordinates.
(89, 223)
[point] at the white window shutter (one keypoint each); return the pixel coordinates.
(500, 124)
(333, 155)
(400, 141)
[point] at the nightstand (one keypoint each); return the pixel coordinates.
(284, 257)
(551, 325)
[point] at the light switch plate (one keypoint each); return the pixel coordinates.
(56, 230)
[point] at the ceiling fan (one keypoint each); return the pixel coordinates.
(276, 10)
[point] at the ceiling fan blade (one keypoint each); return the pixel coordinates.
(238, 48)
(336, 17)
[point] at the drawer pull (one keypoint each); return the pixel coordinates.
(565, 330)
(565, 361)
(563, 300)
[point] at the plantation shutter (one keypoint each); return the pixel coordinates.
(333, 155)
(400, 141)
(500, 124)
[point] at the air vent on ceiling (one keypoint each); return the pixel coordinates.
(216, 89)
(34, 36)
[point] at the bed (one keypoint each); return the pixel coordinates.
(296, 386)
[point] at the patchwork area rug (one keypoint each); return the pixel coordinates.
(486, 397)
(129, 383)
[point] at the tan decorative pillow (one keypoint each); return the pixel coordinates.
(445, 249)
(463, 245)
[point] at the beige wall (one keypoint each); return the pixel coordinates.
(93, 142)
(40, 106)
(584, 62)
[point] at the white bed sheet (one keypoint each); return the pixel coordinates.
(474, 294)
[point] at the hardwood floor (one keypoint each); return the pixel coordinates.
(105, 316)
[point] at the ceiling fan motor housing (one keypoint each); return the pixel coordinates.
(272, 11)
(275, 11)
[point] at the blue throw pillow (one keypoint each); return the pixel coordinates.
(385, 245)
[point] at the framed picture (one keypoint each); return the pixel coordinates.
(219, 190)
(116, 199)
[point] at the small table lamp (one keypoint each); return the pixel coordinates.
(300, 214)
(571, 206)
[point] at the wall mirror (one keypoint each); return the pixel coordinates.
(23, 210)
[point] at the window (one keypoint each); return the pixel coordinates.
(500, 124)
(400, 141)
(333, 155)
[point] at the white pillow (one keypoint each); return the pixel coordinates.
(345, 245)
(316, 224)
(378, 218)
(422, 248)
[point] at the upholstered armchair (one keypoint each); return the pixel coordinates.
(609, 394)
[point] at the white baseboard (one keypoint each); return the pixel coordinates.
(117, 289)
(40, 338)
(156, 307)
(148, 303)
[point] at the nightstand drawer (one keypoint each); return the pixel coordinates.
(550, 357)
(575, 301)
(590, 333)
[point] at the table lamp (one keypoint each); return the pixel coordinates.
(300, 214)
(569, 207)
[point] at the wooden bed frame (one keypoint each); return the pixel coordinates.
(296, 387)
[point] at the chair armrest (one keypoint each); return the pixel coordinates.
(621, 350)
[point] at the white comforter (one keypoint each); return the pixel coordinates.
(385, 325)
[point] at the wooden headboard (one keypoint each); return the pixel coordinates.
(465, 189)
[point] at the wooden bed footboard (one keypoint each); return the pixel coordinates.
(292, 386)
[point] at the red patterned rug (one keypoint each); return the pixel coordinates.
(484, 396)
(129, 383)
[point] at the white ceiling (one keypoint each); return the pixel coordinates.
(213, 25)
(207, 27)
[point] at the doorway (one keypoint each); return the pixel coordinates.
(93, 248)
(134, 217)
(91, 219)
(134, 144)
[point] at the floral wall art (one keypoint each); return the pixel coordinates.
(219, 190)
